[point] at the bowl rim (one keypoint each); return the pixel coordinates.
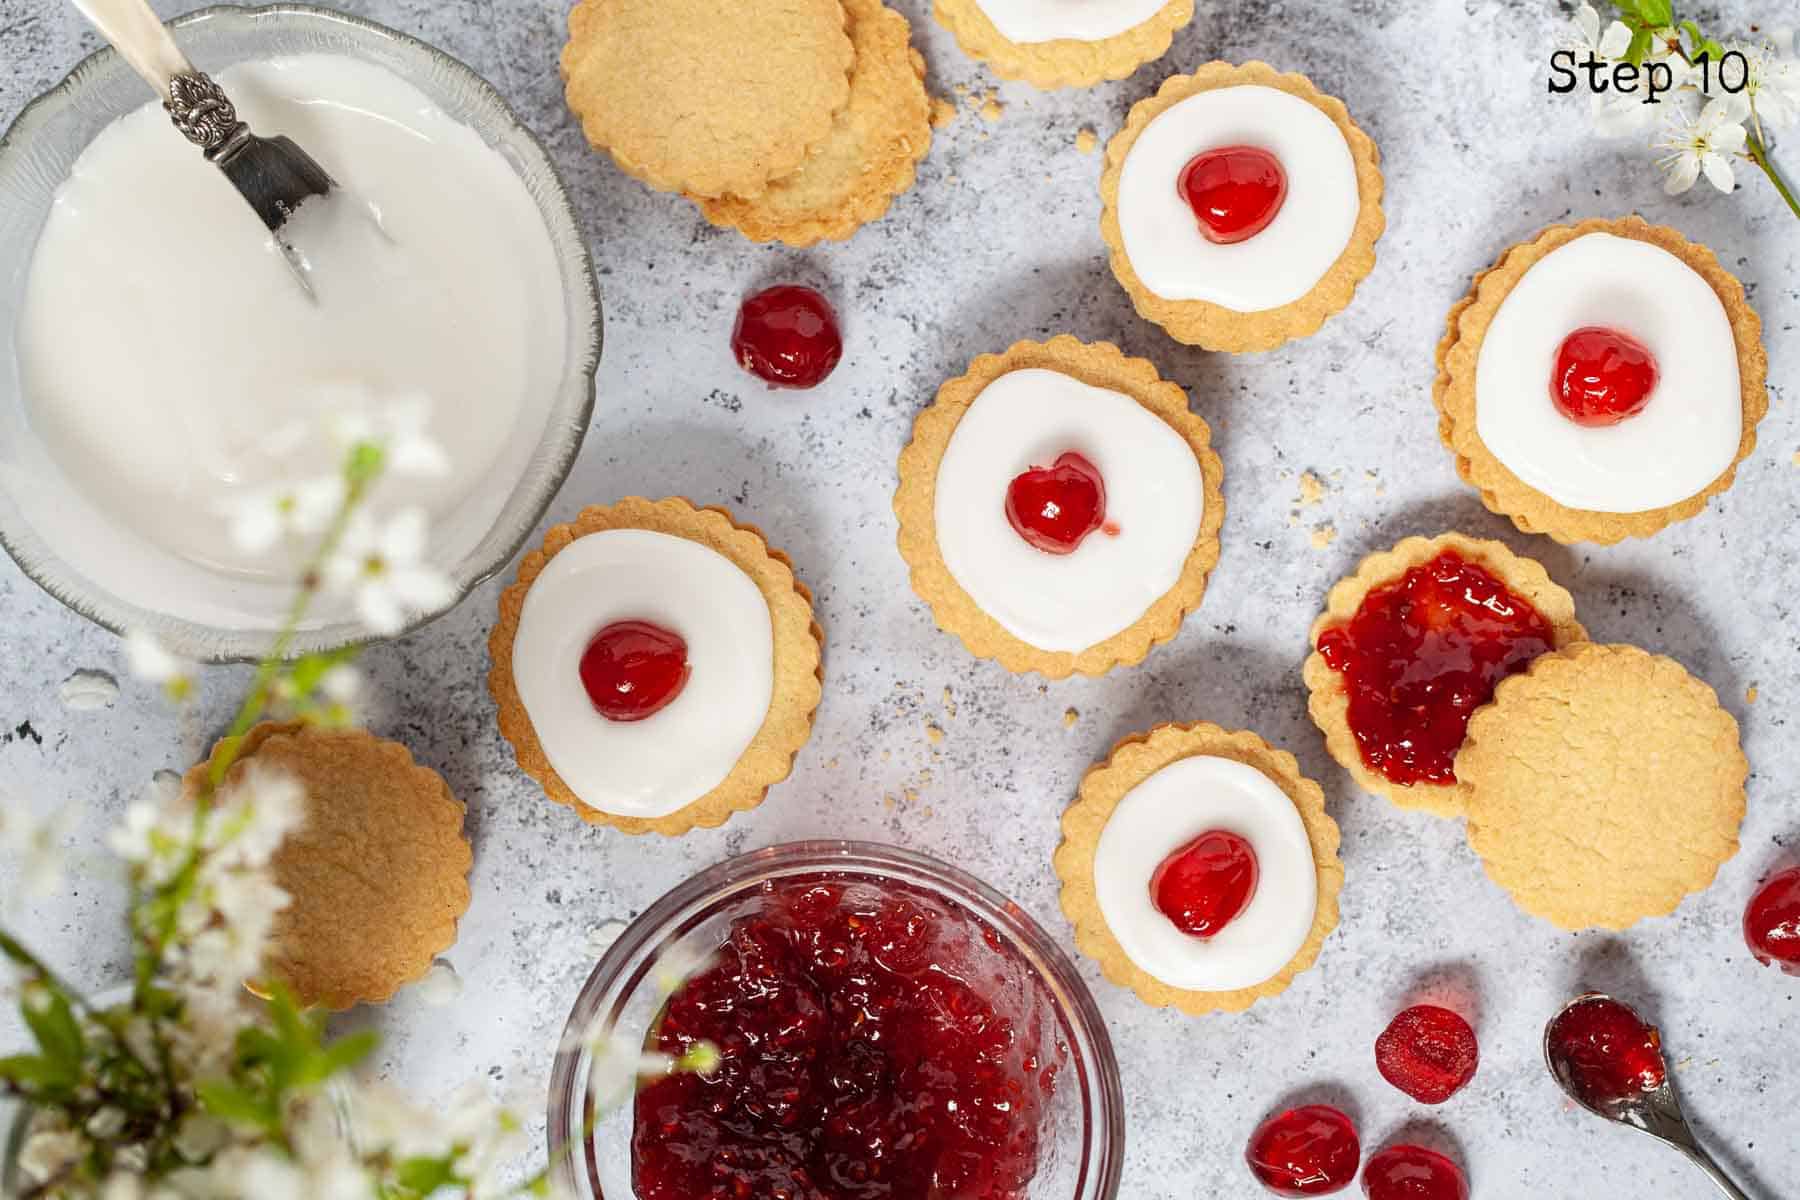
(658, 926)
(240, 646)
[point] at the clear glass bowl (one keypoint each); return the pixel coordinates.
(35, 156)
(1082, 1140)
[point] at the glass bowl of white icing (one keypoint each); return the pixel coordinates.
(157, 369)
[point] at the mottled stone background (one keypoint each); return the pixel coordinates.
(999, 241)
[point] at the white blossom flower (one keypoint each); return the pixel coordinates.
(38, 842)
(264, 518)
(398, 427)
(48, 1152)
(680, 963)
(616, 1064)
(384, 567)
(1692, 146)
(122, 1185)
(254, 814)
(1585, 36)
(151, 662)
(342, 684)
(1770, 91)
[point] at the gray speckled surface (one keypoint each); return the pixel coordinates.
(999, 241)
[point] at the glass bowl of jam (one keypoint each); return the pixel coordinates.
(880, 1026)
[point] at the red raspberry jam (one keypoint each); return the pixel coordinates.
(1602, 376)
(1235, 191)
(1772, 922)
(1203, 886)
(1427, 1052)
(1413, 1173)
(1421, 655)
(1610, 1053)
(1055, 507)
(633, 669)
(876, 1042)
(1311, 1151)
(787, 337)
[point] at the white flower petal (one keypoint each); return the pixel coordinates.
(379, 609)
(1718, 171)
(1587, 24)
(1615, 41)
(147, 658)
(316, 502)
(255, 525)
(424, 589)
(1728, 139)
(403, 540)
(1682, 172)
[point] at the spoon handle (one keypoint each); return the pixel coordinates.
(138, 35)
(1714, 1172)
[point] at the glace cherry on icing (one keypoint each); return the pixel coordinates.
(1054, 508)
(1310, 1151)
(633, 669)
(788, 337)
(1235, 191)
(1772, 922)
(876, 1043)
(1611, 1053)
(1428, 1052)
(1421, 655)
(1204, 885)
(1413, 1173)
(1602, 376)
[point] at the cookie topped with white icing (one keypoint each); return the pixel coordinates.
(1064, 43)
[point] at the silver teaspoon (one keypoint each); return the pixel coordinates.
(1609, 1061)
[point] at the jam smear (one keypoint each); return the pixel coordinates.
(1428, 1052)
(1310, 1151)
(1772, 922)
(633, 669)
(1204, 885)
(1602, 376)
(1421, 655)
(788, 337)
(1611, 1054)
(1235, 191)
(875, 1042)
(1413, 1173)
(1054, 508)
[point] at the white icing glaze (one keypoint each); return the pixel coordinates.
(652, 767)
(1682, 440)
(1027, 21)
(1185, 799)
(1282, 263)
(1155, 494)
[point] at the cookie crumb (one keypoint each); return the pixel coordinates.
(887, 801)
(441, 985)
(991, 108)
(1323, 535)
(1312, 489)
(886, 754)
(1750, 695)
(600, 938)
(87, 690)
(1070, 716)
(933, 732)
(949, 703)
(930, 812)
(942, 112)
(1086, 140)
(1797, 458)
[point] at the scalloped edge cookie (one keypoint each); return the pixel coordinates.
(1606, 785)
(1131, 761)
(1098, 364)
(1329, 704)
(871, 157)
(1066, 62)
(353, 838)
(1213, 326)
(662, 86)
(799, 660)
(1453, 391)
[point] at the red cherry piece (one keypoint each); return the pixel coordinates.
(1310, 1151)
(1413, 1173)
(1772, 922)
(1421, 655)
(1427, 1052)
(787, 337)
(633, 669)
(1610, 1052)
(1602, 376)
(1203, 886)
(1055, 507)
(1235, 191)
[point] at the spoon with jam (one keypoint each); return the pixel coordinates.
(1610, 1061)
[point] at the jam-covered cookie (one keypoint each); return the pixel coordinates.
(1064, 43)
(1601, 381)
(1060, 507)
(1199, 868)
(1412, 644)
(656, 666)
(1241, 206)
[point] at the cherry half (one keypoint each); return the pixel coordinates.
(1055, 507)
(1413, 1173)
(1235, 191)
(1310, 1151)
(1772, 922)
(1427, 1052)
(1203, 886)
(1607, 1050)
(633, 669)
(1602, 376)
(788, 337)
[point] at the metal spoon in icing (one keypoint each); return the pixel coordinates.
(1609, 1061)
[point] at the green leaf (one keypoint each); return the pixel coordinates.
(52, 1022)
(35, 1073)
(349, 1050)
(425, 1175)
(235, 1104)
(1658, 14)
(1640, 46)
